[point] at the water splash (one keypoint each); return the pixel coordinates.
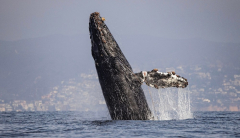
(171, 103)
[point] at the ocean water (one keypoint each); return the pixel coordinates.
(95, 124)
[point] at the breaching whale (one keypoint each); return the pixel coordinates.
(121, 87)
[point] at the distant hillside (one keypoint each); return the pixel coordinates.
(29, 68)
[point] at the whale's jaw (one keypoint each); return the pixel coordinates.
(103, 43)
(123, 94)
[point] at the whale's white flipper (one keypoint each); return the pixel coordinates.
(158, 79)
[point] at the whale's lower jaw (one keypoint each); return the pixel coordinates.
(124, 96)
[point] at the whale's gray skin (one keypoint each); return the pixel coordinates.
(121, 87)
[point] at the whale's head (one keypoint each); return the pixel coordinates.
(103, 43)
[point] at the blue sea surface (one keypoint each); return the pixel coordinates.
(91, 124)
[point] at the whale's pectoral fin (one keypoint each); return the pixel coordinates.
(158, 79)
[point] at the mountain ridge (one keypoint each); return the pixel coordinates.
(30, 67)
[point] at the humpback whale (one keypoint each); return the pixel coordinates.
(121, 87)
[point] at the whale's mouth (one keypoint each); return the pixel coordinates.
(103, 43)
(95, 33)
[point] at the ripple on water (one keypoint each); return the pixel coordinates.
(87, 124)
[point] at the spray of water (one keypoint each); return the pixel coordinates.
(171, 103)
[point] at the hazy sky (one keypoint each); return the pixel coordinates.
(215, 20)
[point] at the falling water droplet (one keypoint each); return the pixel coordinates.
(171, 103)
